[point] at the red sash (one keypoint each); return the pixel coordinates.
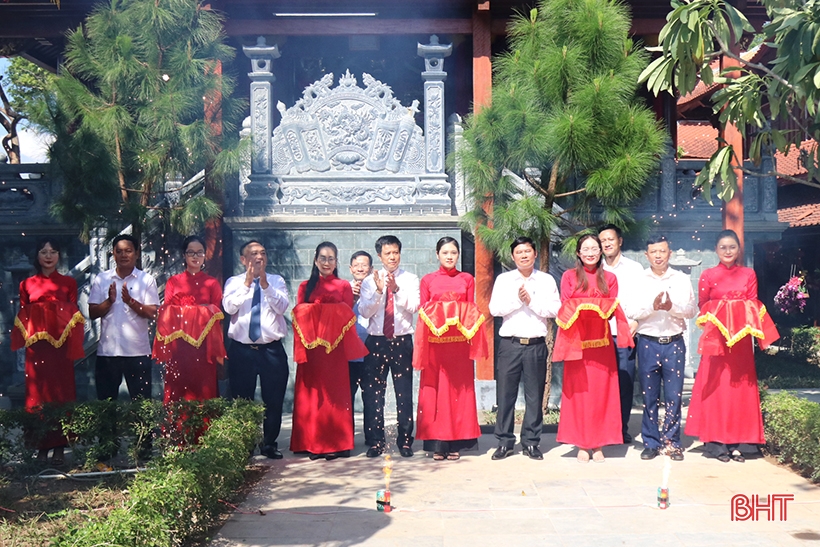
(446, 322)
(327, 325)
(190, 324)
(53, 321)
(584, 323)
(727, 322)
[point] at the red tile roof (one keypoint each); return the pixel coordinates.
(789, 164)
(802, 215)
(697, 139)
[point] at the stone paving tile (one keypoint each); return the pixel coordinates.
(477, 501)
(613, 540)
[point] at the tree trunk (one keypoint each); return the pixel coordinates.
(544, 266)
(9, 119)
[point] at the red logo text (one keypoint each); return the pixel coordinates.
(772, 507)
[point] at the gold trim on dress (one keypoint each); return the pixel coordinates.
(446, 339)
(587, 306)
(602, 343)
(76, 319)
(320, 341)
(449, 322)
(196, 342)
(731, 340)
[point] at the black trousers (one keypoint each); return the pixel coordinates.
(270, 363)
(518, 362)
(356, 369)
(626, 382)
(108, 373)
(396, 356)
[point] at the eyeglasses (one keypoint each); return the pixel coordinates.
(46, 252)
(192, 254)
(326, 259)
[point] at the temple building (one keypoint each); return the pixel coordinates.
(353, 108)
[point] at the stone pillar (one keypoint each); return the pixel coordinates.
(261, 56)
(434, 76)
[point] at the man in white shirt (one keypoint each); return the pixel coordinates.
(125, 299)
(361, 266)
(524, 298)
(627, 271)
(257, 301)
(389, 298)
(666, 300)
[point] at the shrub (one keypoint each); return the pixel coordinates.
(793, 431)
(178, 496)
(783, 371)
(806, 344)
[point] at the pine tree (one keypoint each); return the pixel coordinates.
(566, 141)
(128, 112)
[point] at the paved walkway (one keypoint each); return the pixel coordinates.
(518, 501)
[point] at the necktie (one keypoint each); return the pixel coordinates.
(255, 329)
(389, 320)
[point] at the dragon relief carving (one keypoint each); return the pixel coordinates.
(347, 128)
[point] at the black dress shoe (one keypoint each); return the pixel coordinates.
(532, 452)
(314, 457)
(406, 452)
(649, 453)
(502, 452)
(725, 457)
(271, 452)
(676, 455)
(627, 438)
(373, 452)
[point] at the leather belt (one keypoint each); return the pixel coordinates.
(526, 341)
(663, 340)
(257, 347)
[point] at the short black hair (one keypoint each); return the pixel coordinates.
(521, 240)
(126, 237)
(612, 227)
(190, 239)
(657, 238)
(386, 240)
(444, 241)
(357, 254)
(40, 244)
(727, 233)
(242, 248)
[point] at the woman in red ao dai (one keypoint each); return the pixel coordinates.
(325, 340)
(449, 336)
(590, 400)
(50, 327)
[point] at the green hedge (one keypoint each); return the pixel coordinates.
(178, 496)
(806, 344)
(792, 429)
(98, 430)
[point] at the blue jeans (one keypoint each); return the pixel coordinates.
(661, 362)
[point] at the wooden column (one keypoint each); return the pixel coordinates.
(482, 95)
(733, 209)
